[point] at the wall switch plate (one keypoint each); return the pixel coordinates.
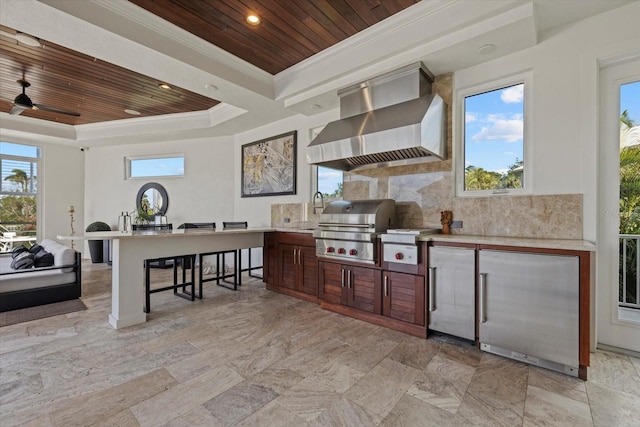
(287, 220)
(456, 224)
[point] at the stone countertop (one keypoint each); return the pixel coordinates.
(525, 242)
(102, 235)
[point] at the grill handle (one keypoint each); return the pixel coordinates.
(345, 225)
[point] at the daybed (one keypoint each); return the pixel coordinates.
(44, 285)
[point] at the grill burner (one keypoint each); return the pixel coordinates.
(349, 229)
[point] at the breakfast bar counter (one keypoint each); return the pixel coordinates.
(132, 248)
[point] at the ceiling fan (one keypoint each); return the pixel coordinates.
(23, 102)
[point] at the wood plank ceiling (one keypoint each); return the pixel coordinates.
(289, 32)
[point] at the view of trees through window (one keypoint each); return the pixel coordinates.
(629, 191)
(18, 195)
(330, 182)
(494, 139)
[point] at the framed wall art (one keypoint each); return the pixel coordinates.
(269, 166)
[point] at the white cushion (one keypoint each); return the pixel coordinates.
(62, 255)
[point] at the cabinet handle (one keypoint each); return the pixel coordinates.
(432, 288)
(299, 253)
(386, 286)
(349, 279)
(294, 257)
(483, 282)
(342, 277)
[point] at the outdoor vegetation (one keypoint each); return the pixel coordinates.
(629, 208)
(476, 178)
(19, 210)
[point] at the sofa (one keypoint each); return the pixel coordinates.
(44, 285)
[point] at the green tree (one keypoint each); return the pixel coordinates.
(629, 209)
(337, 193)
(21, 178)
(476, 178)
(513, 177)
(19, 209)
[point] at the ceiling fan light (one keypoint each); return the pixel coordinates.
(27, 39)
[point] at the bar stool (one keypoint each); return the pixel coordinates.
(219, 275)
(250, 268)
(176, 261)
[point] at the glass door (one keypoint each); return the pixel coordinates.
(618, 284)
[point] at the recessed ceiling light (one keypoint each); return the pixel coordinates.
(211, 87)
(132, 112)
(27, 39)
(316, 106)
(164, 86)
(486, 49)
(253, 19)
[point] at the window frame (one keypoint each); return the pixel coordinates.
(314, 170)
(525, 78)
(129, 159)
(39, 161)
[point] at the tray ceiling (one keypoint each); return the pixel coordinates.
(290, 31)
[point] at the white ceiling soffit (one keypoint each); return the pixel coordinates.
(445, 38)
(444, 34)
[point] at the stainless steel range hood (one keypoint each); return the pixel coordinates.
(392, 117)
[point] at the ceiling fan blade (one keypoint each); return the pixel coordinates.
(16, 110)
(55, 110)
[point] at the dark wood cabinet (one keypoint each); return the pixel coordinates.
(404, 297)
(292, 264)
(352, 286)
(386, 298)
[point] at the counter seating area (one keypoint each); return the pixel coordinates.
(43, 285)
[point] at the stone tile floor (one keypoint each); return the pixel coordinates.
(258, 358)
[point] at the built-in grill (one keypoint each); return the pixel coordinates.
(401, 245)
(349, 229)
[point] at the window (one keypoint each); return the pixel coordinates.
(493, 141)
(19, 165)
(154, 166)
(329, 182)
(325, 180)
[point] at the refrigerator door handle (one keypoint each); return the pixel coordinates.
(432, 286)
(481, 297)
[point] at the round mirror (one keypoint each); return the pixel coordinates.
(152, 199)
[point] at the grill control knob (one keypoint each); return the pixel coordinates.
(353, 252)
(399, 255)
(342, 251)
(331, 250)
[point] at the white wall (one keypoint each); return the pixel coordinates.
(62, 185)
(257, 210)
(563, 64)
(204, 194)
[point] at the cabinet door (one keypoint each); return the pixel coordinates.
(332, 282)
(404, 297)
(451, 296)
(308, 281)
(287, 266)
(364, 291)
(530, 304)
